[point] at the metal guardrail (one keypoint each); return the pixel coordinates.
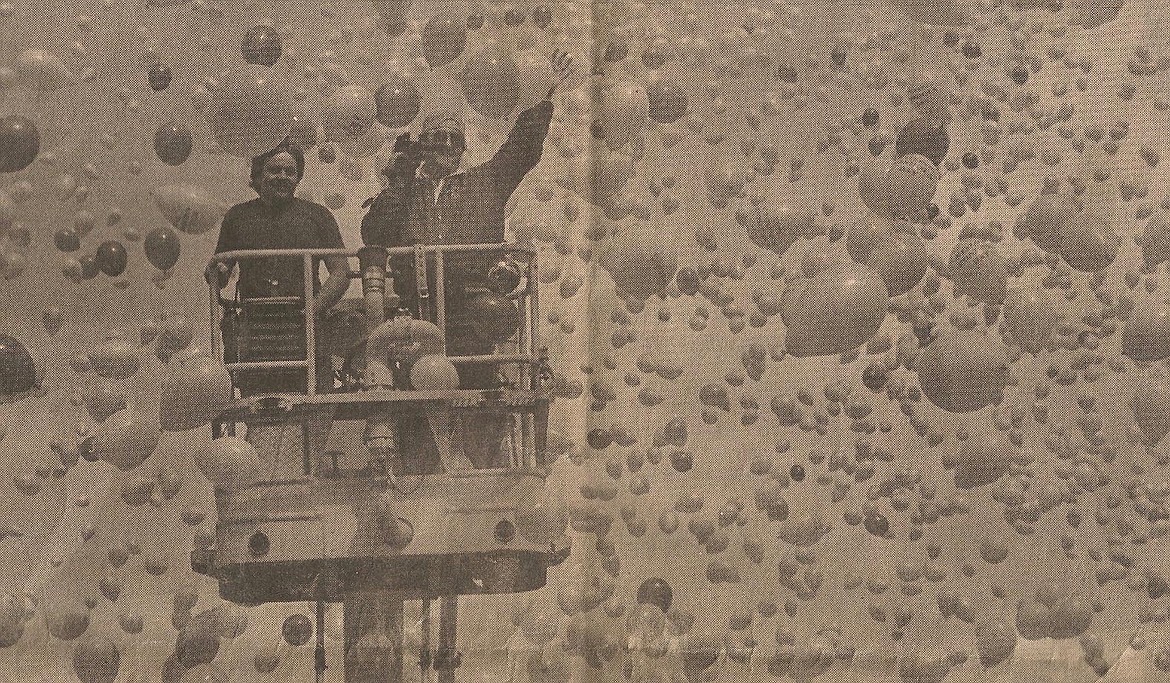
(529, 329)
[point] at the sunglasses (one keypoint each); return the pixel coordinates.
(439, 139)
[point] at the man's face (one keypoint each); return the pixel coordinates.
(279, 178)
(442, 153)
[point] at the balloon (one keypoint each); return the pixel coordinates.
(491, 83)
(250, 114)
(930, 96)
(1088, 242)
(912, 182)
(189, 208)
(1071, 616)
(434, 373)
(159, 77)
(1151, 403)
(640, 262)
(361, 147)
(297, 630)
(1146, 337)
(1029, 316)
(1094, 13)
(656, 592)
(995, 640)
(984, 457)
(624, 112)
(111, 258)
(666, 101)
(873, 185)
(114, 357)
(125, 439)
(1047, 219)
(44, 71)
(598, 173)
(394, 14)
(836, 310)
(194, 393)
(901, 261)
(261, 46)
(67, 620)
(20, 142)
(172, 143)
(923, 136)
(397, 102)
(443, 39)
(536, 77)
(230, 464)
(979, 271)
(197, 643)
(492, 318)
(162, 247)
(776, 227)
(96, 660)
(18, 373)
(1155, 241)
(349, 113)
(962, 370)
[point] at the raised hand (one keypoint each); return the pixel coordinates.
(563, 66)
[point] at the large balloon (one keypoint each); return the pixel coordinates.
(18, 373)
(397, 101)
(443, 39)
(492, 318)
(251, 111)
(96, 660)
(162, 247)
(912, 182)
(923, 136)
(230, 464)
(66, 620)
(1088, 242)
(172, 143)
(837, 310)
(1155, 242)
(641, 263)
(1146, 337)
(125, 439)
(20, 142)
(491, 83)
(111, 258)
(776, 227)
(1151, 403)
(961, 371)
(1047, 219)
(190, 208)
(1029, 316)
(995, 640)
(349, 113)
(194, 393)
(434, 373)
(984, 457)
(656, 592)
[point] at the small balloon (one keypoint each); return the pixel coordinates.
(18, 373)
(20, 142)
(261, 46)
(111, 258)
(159, 77)
(162, 247)
(172, 143)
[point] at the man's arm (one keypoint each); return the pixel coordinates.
(334, 287)
(523, 148)
(389, 211)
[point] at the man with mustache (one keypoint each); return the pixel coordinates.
(270, 291)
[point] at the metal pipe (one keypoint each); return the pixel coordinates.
(440, 298)
(424, 650)
(373, 272)
(267, 364)
(310, 332)
(447, 658)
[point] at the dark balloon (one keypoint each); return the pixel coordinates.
(172, 143)
(874, 377)
(796, 472)
(668, 103)
(492, 318)
(111, 258)
(398, 102)
(261, 46)
(869, 118)
(18, 373)
(475, 21)
(687, 280)
(925, 137)
(20, 142)
(599, 439)
(877, 524)
(656, 592)
(513, 18)
(159, 77)
(162, 247)
(297, 630)
(443, 39)
(67, 240)
(616, 51)
(542, 16)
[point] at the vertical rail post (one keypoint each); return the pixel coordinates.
(447, 659)
(310, 333)
(440, 297)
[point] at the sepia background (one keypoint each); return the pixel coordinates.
(856, 310)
